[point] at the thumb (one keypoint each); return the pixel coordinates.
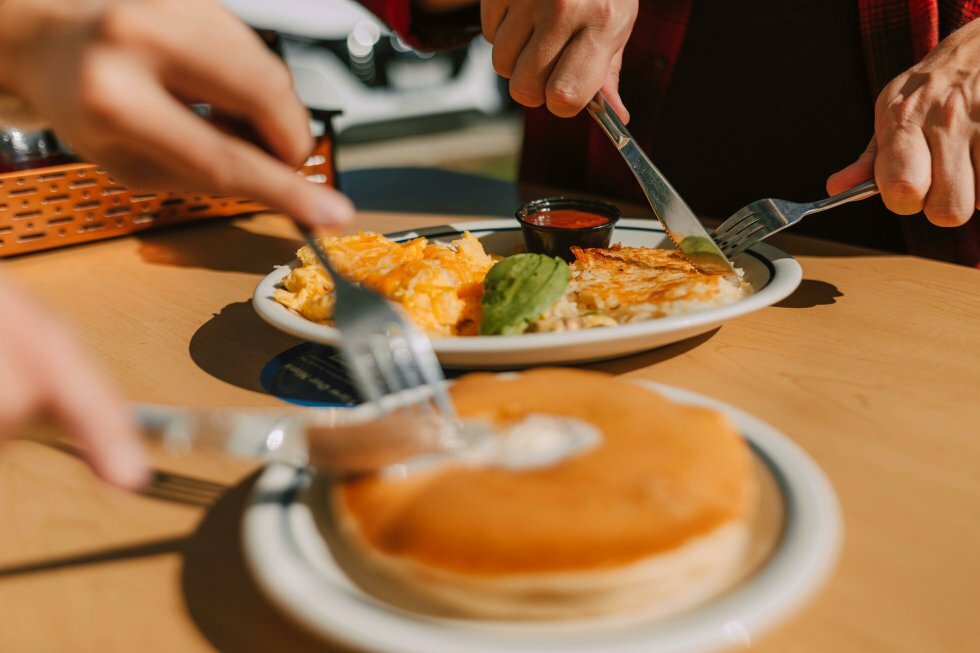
(858, 172)
(610, 88)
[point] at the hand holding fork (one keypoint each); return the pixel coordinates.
(762, 218)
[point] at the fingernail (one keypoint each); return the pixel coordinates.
(124, 464)
(335, 209)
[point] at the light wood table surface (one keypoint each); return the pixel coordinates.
(873, 367)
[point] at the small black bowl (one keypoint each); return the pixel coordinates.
(542, 236)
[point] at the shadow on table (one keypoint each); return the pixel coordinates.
(218, 245)
(116, 554)
(235, 344)
(810, 293)
(164, 486)
(225, 603)
(652, 357)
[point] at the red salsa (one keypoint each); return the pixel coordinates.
(567, 219)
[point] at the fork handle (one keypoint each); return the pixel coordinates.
(859, 192)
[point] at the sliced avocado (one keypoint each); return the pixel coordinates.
(704, 254)
(698, 245)
(518, 290)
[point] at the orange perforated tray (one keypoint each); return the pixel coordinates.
(61, 205)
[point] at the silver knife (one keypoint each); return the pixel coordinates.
(354, 441)
(682, 226)
(342, 442)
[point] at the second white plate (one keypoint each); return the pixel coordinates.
(295, 567)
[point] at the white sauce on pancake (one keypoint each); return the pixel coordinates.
(537, 440)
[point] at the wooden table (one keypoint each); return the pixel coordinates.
(873, 366)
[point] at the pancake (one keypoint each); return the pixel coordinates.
(657, 514)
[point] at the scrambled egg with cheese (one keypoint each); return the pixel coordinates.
(440, 286)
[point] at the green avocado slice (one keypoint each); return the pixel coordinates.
(518, 290)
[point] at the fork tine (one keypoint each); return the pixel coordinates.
(748, 226)
(746, 240)
(731, 233)
(381, 348)
(420, 366)
(400, 366)
(359, 361)
(725, 228)
(427, 364)
(404, 360)
(411, 364)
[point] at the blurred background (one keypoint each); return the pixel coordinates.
(400, 107)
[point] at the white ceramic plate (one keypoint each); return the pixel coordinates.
(295, 568)
(773, 275)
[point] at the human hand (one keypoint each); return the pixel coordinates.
(115, 77)
(559, 53)
(45, 372)
(925, 154)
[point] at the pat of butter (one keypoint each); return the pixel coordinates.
(538, 440)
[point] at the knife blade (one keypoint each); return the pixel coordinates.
(341, 442)
(680, 223)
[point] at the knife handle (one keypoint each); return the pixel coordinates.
(611, 124)
(269, 435)
(655, 186)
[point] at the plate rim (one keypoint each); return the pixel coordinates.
(785, 275)
(808, 551)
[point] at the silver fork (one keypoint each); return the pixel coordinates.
(762, 218)
(384, 351)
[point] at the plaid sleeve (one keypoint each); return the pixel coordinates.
(427, 31)
(898, 33)
(953, 14)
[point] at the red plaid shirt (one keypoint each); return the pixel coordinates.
(895, 35)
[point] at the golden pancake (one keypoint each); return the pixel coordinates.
(659, 508)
